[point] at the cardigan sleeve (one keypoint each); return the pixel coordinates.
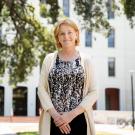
(43, 86)
(90, 96)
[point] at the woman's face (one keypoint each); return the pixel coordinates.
(67, 35)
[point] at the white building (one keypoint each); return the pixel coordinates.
(113, 57)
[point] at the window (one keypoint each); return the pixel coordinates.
(66, 7)
(110, 14)
(111, 66)
(1, 101)
(110, 10)
(88, 39)
(20, 101)
(111, 39)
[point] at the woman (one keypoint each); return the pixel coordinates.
(66, 88)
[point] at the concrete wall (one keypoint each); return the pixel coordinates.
(111, 117)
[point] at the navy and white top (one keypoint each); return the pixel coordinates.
(66, 81)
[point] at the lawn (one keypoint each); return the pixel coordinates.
(35, 133)
(28, 133)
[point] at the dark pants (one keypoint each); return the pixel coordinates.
(78, 126)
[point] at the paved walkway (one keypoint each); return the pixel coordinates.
(13, 128)
(114, 129)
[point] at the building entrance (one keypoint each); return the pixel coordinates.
(20, 101)
(1, 101)
(112, 98)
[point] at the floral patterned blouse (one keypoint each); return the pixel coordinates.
(66, 81)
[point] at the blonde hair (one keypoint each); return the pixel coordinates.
(69, 23)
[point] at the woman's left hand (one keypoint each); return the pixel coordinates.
(67, 117)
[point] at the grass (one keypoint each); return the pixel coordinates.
(35, 133)
(28, 133)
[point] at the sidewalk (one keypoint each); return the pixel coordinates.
(13, 128)
(114, 129)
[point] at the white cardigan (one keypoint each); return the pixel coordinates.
(89, 93)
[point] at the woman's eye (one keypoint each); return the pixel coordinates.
(61, 33)
(70, 32)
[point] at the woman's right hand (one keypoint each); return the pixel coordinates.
(65, 128)
(61, 123)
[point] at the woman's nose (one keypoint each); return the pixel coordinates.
(66, 35)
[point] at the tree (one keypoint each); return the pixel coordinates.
(129, 10)
(30, 43)
(52, 12)
(93, 12)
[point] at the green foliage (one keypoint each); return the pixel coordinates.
(43, 10)
(93, 13)
(28, 133)
(35, 133)
(129, 9)
(31, 41)
(50, 9)
(54, 9)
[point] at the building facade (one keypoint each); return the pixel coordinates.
(113, 59)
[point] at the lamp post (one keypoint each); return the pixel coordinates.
(132, 95)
